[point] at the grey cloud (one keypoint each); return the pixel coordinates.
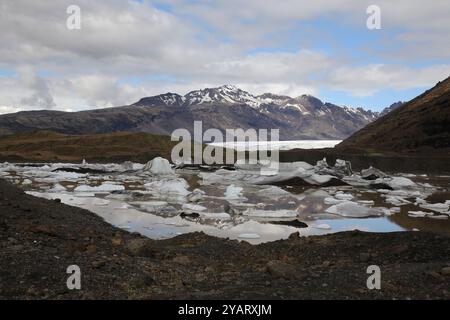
(41, 97)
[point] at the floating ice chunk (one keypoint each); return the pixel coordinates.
(57, 188)
(397, 201)
(323, 226)
(292, 166)
(354, 210)
(62, 175)
(343, 196)
(418, 214)
(318, 179)
(177, 186)
(26, 182)
(105, 187)
(196, 195)
(372, 174)
(438, 207)
(215, 215)
(257, 213)
(131, 166)
(397, 182)
(322, 163)
(159, 166)
(366, 202)
(234, 193)
(249, 236)
(273, 192)
(343, 167)
(420, 201)
(387, 212)
(193, 207)
(331, 200)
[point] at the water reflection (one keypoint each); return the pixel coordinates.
(254, 213)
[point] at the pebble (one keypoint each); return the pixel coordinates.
(445, 271)
(364, 257)
(281, 269)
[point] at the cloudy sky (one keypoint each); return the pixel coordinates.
(129, 49)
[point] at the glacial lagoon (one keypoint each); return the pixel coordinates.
(161, 201)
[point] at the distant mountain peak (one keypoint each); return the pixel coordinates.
(229, 87)
(168, 99)
(392, 107)
(230, 94)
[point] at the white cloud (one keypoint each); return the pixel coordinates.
(366, 81)
(186, 50)
(9, 109)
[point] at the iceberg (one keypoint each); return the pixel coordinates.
(438, 207)
(323, 226)
(177, 187)
(372, 174)
(131, 166)
(215, 215)
(343, 196)
(234, 193)
(353, 210)
(418, 214)
(193, 207)
(396, 183)
(105, 187)
(257, 213)
(159, 166)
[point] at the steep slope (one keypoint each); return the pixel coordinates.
(226, 107)
(421, 125)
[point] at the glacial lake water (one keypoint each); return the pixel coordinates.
(227, 204)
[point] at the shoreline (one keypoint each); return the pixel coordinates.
(41, 238)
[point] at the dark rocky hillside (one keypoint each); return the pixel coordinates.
(420, 126)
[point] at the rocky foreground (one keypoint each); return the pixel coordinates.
(39, 239)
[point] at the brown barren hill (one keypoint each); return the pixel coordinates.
(112, 147)
(420, 126)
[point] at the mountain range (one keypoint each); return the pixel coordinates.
(225, 107)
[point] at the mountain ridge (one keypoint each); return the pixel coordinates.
(420, 125)
(225, 107)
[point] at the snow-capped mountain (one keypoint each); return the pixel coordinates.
(225, 107)
(305, 105)
(230, 94)
(227, 94)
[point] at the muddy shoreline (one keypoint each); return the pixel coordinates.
(40, 238)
